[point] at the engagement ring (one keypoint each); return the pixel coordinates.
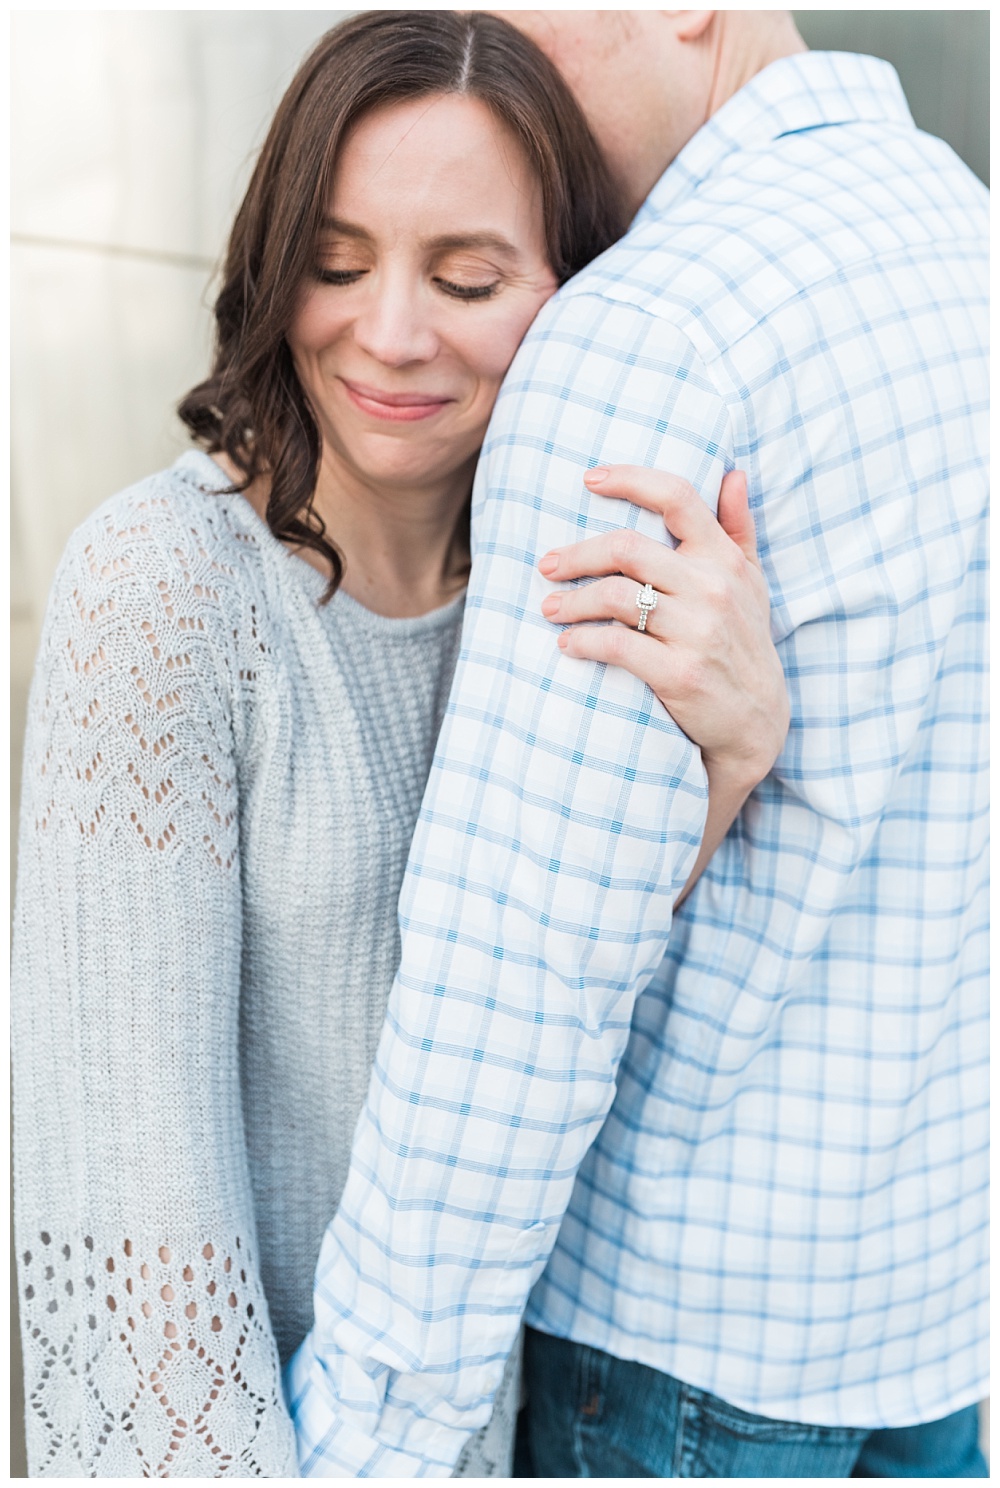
(646, 600)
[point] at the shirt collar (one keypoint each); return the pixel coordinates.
(803, 91)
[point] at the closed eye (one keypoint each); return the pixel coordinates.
(339, 276)
(468, 291)
(456, 291)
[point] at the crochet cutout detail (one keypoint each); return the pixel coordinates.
(148, 1342)
(168, 1371)
(133, 663)
(146, 1354)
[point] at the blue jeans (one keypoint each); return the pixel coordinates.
(590, 1415)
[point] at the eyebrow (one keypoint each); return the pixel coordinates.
(444, 243)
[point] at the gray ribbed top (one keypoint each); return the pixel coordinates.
(221, 782)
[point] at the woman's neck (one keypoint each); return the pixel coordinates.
(405, 550)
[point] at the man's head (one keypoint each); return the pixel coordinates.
(647, 80)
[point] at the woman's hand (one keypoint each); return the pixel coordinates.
(707, 651)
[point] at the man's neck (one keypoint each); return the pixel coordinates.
(735, 47)
(745, 42)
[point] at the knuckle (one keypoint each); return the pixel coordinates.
(669, 488)
(624, 547)
(689, 676)
(714, 638)
(680, 491)
(679, 497)
(616, 644)
(621, 595)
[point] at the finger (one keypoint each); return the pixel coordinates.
(667, 670)
(607, 599)
(686, 515)
(624, 551)
(734, 515)
(616, 646)
(648, 659)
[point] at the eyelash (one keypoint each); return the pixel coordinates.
(338, 276)
(467, 292)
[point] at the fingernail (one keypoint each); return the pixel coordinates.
(550, 605)
(562, 640)
(596, 475)
(549, 563)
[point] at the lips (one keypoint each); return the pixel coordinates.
(394, 407)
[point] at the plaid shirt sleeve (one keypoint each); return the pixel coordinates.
(562, 816)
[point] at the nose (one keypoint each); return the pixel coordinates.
(394, 326)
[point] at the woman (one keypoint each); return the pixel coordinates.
(244, 665)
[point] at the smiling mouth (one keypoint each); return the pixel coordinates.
(399, 408)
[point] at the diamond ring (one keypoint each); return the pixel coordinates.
(646, 599)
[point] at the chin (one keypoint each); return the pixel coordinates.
(408, 467)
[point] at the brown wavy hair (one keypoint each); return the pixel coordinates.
(252, 405)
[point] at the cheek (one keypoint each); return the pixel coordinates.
(490, 351)
(316, 324)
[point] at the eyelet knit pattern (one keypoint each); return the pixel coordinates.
(221, 780)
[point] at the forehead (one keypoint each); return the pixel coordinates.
(445, 159)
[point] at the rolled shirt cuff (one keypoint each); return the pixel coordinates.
(330, 1446)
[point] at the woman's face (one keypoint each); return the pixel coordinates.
(430, 269)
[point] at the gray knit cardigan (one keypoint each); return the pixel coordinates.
(221, 781)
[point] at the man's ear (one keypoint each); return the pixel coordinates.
(690, 25)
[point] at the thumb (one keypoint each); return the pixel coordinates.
(734, 515)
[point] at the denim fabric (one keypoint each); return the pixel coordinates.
(937, 1449)
(591, 1415)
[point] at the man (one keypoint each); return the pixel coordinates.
(769, 1259)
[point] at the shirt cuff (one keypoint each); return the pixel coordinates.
(329, 1446)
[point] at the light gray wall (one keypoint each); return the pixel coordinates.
(133, 133)
(943, 61)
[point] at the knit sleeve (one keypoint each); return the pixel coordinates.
(147, 1346)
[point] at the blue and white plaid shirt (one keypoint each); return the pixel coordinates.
(787, 1202)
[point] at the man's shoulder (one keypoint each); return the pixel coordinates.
(777, 225)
